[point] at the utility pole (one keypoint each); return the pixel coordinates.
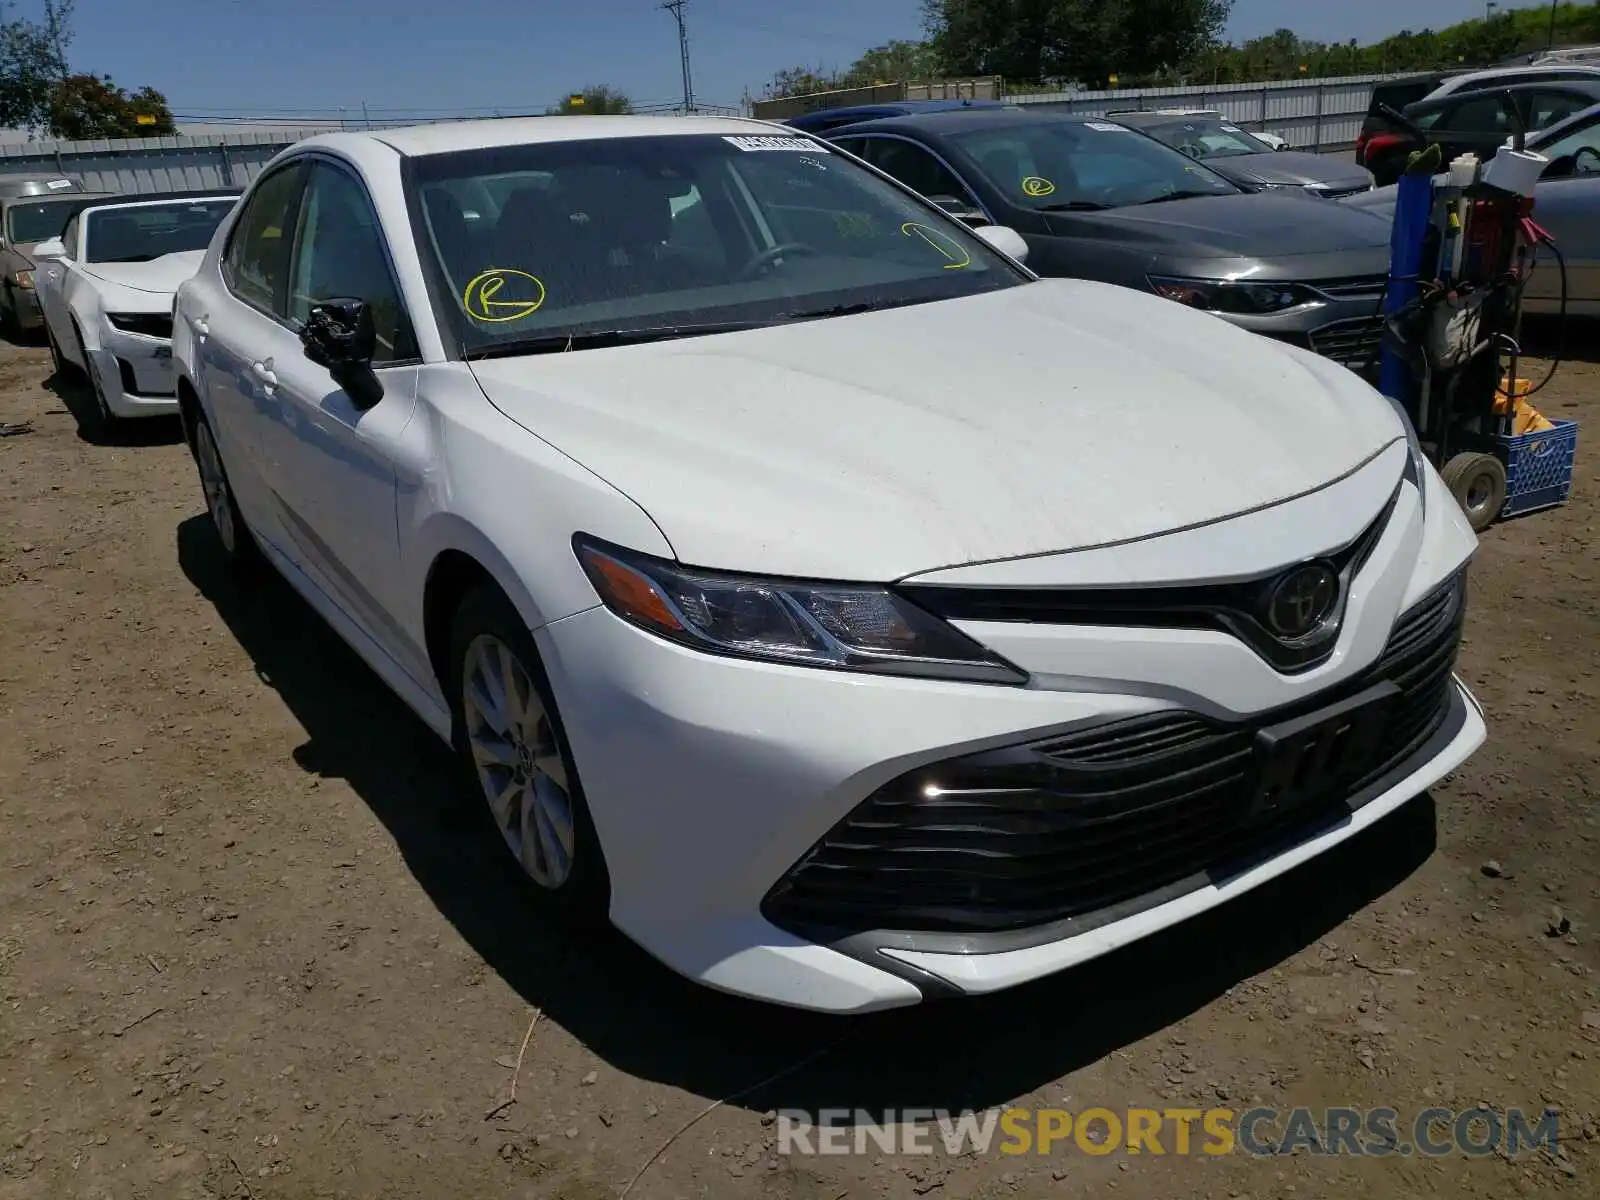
(1550, 38)
(675, 7)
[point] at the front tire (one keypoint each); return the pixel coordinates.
(100, 420)
(514, 751)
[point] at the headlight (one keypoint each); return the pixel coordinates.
(839, 626)
(25, 279)
(1417, 464)
(1244, 297)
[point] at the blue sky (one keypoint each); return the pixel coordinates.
(245, 57)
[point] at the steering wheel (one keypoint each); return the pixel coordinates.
(766, 257)
(1577, 158)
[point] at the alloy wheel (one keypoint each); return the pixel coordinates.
(214, 481)
(518, 761)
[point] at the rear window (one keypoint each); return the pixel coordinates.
(1402, 92)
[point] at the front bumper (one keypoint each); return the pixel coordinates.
(1345, 326)
(711, 779)
(135, 373)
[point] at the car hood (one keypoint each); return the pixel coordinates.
(1294, 168)
(1261, 226)
(1378, 202)
(160, 276)
(1045, 417)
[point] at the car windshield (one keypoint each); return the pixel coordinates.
(39, 220)
(676, 235)
(1206, 137)
(1084, 164)
(149, 231)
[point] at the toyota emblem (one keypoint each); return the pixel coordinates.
(1302, 601)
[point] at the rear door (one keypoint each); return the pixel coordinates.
(1569, 207)
(238, 319)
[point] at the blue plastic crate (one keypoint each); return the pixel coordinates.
(1539, 468)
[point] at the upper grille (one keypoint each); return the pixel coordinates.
(1235, 608)
(1074, 825)
(1351, 286)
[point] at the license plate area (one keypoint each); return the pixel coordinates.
(1300, 760)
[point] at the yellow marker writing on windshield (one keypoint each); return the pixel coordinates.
(1037, 185)
(942, 242)
(484, 300)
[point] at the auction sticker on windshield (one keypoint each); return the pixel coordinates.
(1107, 127)
(775, 143)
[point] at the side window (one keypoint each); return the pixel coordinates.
(855, 145)
(1481, 114)
(340, 253)
(917, 169)
(1549, 107)
(255, 265)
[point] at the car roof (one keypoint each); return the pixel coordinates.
(8, 201)
(1585, 87)
(1540, 68)
(445, 137)
(113, 203)
(961, 120)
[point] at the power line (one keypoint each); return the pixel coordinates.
(675, 7)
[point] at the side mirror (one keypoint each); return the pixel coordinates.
(341, 336)
(50, 249)
(959, 209)
(1006, 240)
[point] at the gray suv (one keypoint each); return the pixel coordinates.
(27, 219)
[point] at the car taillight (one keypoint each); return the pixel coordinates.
(1377, 143)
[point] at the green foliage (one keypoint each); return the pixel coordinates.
(890, 63)
(1084, 41)
(595, 100)
(84, 107)
(33, 60)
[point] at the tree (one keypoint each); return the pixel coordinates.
(803, 81)
(86, 106)
(33, 61)
(1078, 40)
(894, 62)
(595, 100)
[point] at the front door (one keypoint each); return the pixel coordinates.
(330, 464)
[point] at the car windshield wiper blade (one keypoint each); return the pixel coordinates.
(1073, 206)
(845, 310)
(1182, 195)
(556, 343)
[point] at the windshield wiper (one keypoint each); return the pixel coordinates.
(1182, 195)
(1073, 206)
(845, 310)
(556, 343)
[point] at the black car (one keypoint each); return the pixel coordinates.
(1240, 156)
(1096, 200)
(1469, 121)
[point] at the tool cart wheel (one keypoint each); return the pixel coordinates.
(1478, 482)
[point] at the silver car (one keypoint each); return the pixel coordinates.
(1566, 203)
(1243, 158)
(25, 221)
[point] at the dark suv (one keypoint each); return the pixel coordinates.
(1475, 122)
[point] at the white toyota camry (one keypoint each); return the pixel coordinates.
(106, 286)
(848, 615)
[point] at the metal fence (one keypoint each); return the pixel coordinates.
(1312, 114)
(161, 164)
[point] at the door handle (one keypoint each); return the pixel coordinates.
(202, 326)
(263, 372)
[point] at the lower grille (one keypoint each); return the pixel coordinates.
(1070, 826)
(1354, 343)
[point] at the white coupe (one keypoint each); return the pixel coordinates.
(848, 615)
(106, 287)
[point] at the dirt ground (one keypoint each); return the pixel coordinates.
(246, 952)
